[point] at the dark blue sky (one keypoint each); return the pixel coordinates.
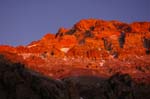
(22, 21)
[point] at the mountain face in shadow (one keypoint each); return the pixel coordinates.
(18, 82)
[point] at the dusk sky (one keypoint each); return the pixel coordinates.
(22, 21)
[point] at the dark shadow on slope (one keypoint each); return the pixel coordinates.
(18, 82)
(118, 86)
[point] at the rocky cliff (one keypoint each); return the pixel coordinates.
(91, 47)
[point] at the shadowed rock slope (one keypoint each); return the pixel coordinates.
(18, 82)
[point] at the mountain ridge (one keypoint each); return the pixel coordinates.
(90, 47)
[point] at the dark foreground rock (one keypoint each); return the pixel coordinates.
(18, 82)
(118, 86)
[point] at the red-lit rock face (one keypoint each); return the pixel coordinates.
(90, 47)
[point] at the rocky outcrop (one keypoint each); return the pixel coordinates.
(100, 31)
(91, 47)
(140, 27)
(113, 36)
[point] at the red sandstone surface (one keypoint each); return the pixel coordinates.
(90, 47)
